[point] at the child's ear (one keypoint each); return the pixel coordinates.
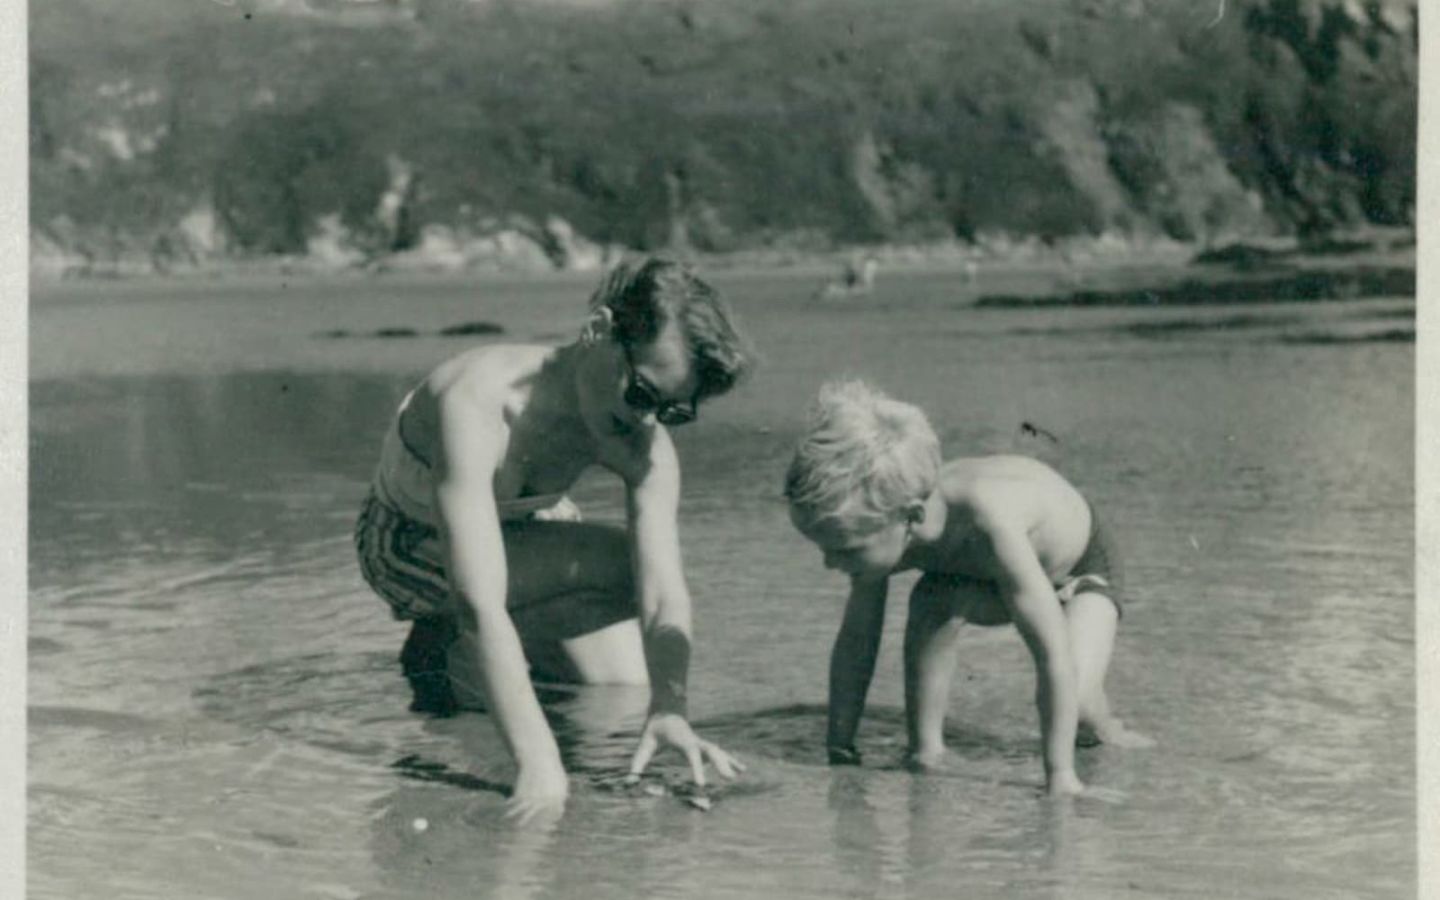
(599, 326)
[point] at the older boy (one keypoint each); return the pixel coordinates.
(468, 534)
(999, 539)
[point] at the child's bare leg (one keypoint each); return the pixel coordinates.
(930, 656)
(1092, 619)
(939, 608)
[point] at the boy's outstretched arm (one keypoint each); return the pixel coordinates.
(852, 665)
(475, 560)
(653, 501)
(1035, 610)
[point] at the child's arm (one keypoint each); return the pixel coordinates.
(475, 561)
(852, 665)
(653, 502)
(1030, 599)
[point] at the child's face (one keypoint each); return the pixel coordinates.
(855, 553)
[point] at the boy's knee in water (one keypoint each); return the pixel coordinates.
(423, 660)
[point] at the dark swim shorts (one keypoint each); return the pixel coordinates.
(1097, 569)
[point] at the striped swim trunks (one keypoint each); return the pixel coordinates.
(400, 558)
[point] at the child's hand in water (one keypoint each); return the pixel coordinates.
(539, 795)
(1064, 783)
(931, 761)
(1109, 795)
(670, 729)
(1116, 734)
(1074, 788)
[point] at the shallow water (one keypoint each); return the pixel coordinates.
(216, 710)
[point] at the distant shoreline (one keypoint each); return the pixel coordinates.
(478, 256)
(1090, 272)
(1000, 253)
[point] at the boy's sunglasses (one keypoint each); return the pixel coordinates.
(642, 396)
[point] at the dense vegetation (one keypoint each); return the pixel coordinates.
(164, 133)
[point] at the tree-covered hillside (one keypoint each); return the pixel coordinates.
(166, 134)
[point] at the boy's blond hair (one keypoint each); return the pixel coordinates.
(863, 456)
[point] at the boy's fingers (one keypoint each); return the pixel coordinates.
(643, 754)
(518, 811)
(721, 763)
(725, 764)
(697, 763)
(730, 758)
(528, 814)
(1105, 794)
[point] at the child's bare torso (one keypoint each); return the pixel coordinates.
(1054, 515)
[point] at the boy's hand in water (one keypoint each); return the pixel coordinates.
(1064, 783)
(539, 795)
(930, 761)
(672, 729)
(1113, 732)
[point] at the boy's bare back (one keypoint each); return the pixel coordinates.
(982, 492)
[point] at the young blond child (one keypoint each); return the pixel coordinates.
(998, 539)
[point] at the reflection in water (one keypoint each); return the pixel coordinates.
(211, 463)
(857, 836)
(450, 815)
(917, 844)
(595, 726)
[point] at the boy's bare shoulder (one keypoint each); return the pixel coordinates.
(485, 362)
(1002, 485)
(965, 475)
(968, 473)
(484, 373)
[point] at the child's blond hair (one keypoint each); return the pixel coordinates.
(863, 456)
